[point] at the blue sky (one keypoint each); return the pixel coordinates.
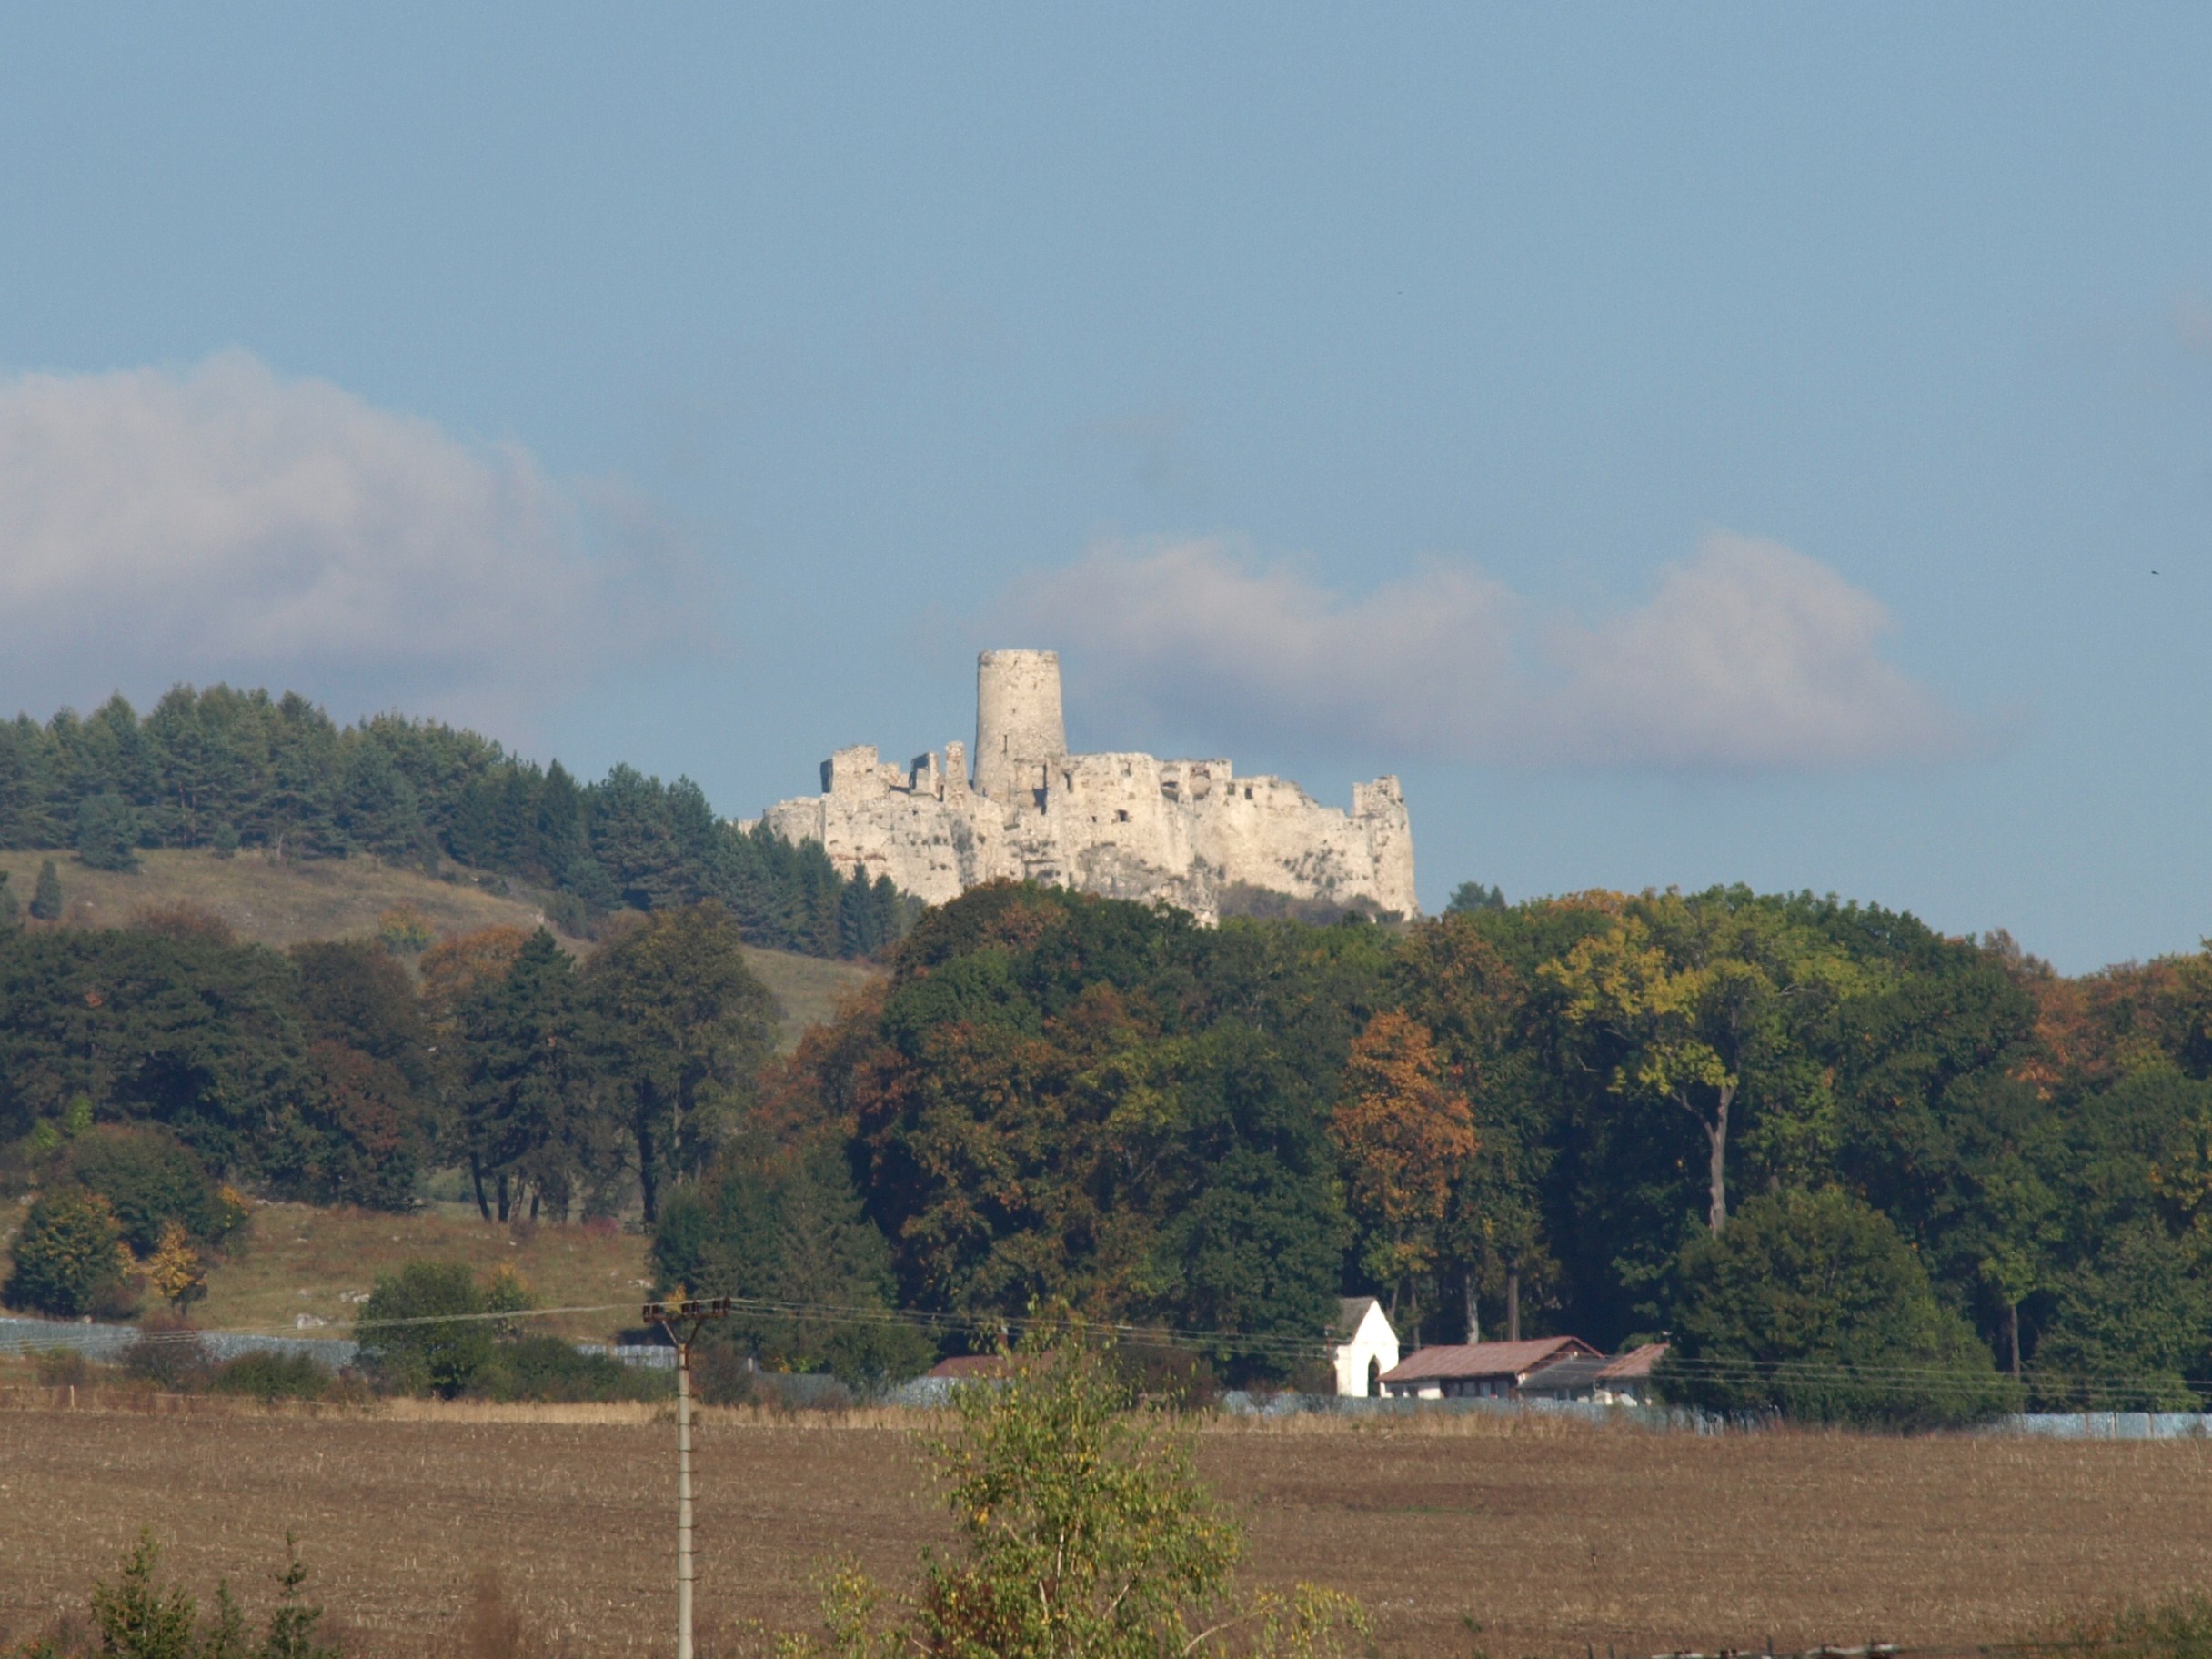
(1686, 445)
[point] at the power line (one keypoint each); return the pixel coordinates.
(1893, 1380)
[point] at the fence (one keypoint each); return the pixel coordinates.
(107, 1343)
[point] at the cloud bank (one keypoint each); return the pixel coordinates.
(226, 523)
(1748, 656)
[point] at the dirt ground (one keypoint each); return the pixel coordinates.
(1551, 1537)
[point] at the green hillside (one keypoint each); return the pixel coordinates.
(281, 904)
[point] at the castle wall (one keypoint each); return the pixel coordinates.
(1127, 825)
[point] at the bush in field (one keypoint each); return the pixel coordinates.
(266, 1376)
(170, 1357)
(1082, 1530)
(2179, 1627)
(69, 1257)
(459, 1346)
(545, 1368)
(418, 1334)
(1813, 1305)
(139, 1618)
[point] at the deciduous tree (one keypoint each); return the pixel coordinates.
(1405, 1137)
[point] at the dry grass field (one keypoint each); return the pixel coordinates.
(1551, 1536)
(282, 904)
(299, 1259)
(321, 1262)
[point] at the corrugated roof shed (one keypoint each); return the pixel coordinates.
(970, 1367)
(1635, 1363)
(1462, 1361)
(1575, 1374)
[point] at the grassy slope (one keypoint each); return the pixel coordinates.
(298, 1259)
(282, 904)
(301, 1259)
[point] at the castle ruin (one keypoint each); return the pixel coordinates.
(1125, 826)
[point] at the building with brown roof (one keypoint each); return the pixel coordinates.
(1627, 1381)
(1454, 1371)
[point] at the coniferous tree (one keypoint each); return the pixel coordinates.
(106, 832)
(47, 897)
(224, 769)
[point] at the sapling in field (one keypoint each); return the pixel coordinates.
(1083, 1532)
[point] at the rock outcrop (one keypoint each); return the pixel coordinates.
(1126, 826)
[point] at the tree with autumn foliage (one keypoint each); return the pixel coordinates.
(1686, 1002)
(1405, 1136)
(1452, 976)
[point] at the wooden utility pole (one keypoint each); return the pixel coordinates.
(683, 1321)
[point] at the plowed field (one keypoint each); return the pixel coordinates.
(1550, 1538)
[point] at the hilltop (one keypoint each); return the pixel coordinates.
(279, 904)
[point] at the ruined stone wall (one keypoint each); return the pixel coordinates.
(1127, 825)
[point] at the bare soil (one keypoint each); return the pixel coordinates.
(1553, 1538)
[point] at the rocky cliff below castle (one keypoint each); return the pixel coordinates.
(1125, 826)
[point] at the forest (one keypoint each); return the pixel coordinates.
(224, 770)
(1776, 1130)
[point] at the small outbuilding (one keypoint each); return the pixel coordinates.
(1627, 1381)
(1363, 1345)
(1573, 1378)
(1456, 1371)
(970, 1368)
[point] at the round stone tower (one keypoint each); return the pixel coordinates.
(1019, 733)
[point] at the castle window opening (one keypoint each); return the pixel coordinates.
(1121, 815)
(1248, 791)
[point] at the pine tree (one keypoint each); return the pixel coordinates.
(47, 897)
(106, 832)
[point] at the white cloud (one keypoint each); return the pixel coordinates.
(1747, 656)
(223, 522)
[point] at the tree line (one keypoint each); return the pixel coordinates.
(1813, 1143)
(143, 1067)
(222, 769)
(1718, 1118)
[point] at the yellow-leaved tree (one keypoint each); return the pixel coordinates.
(175, 1270)
(1683, 1001)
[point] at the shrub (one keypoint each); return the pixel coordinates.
(268, 1376)
(138, 1618)
(62, 1368)
(2178, 1627)
(1081, 1528)
(444, 1356)
(545, 1368)
(170, 1357)
(1811, 1304)
(69, 1257)
(405, 932)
